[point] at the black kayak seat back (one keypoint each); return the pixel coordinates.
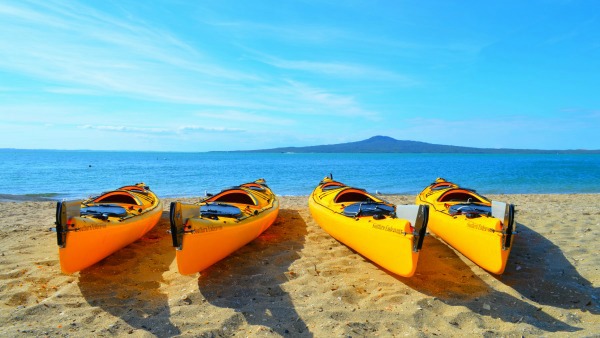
(470, 210)
(368, 209)
(105, 210)
(212, 210)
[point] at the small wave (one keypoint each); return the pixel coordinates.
(29, 197)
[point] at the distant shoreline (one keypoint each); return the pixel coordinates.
(276, 151)
(500, 151)
(374, 145)
(386, 144)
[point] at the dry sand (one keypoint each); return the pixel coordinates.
(295, 280)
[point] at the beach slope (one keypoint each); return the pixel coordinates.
(296, 280)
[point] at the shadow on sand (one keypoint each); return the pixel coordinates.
(546, 276)
(442, 274)
(254, 290)
(127, 284)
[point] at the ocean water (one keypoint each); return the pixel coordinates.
(32, 174)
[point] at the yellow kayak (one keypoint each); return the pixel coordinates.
(390, 236)
(480, 229)
(208, 231)
(90, 230)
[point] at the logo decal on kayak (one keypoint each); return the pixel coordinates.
(388, 228)
(209, 229)
(479, 227)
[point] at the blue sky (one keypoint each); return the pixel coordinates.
(228, 75)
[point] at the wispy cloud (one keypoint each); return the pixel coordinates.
(322, 100)
(577, 112)
(8, 89)
(153, 130)
(209, 130)
(76, 45)
(126, 129)
(72, 91)
(85, 51)
(244, 117)
(340, 69)
(282, 32)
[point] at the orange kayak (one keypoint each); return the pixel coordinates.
(480, 229)
(389, 235)
(208, 231)
(90, 230)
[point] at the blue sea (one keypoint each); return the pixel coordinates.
(54, 174)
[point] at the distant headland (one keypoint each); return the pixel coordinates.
(386, 144)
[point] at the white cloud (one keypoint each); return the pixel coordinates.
(244, 117)
(154, 130)
(340, 69)
(126, 129)
(321, 101)
(208, 129)
(76, 45)
(72, 91)
(84, 51)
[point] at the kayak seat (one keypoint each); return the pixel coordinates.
(368, 209)
(470, 210)
(104, 211)
(216, 210)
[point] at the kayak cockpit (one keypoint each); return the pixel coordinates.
(236, 196)
(357, 202)
(352, 195)
(117, 197)
(462, 195)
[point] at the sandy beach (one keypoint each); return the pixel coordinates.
(295, 280)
